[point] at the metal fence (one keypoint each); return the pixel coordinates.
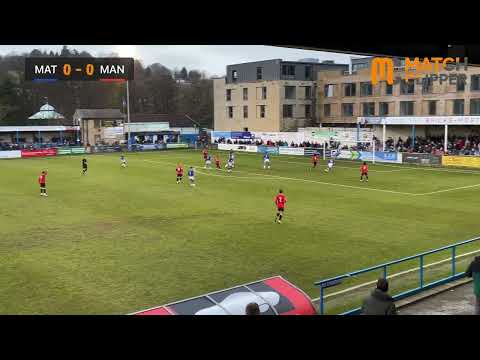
(418, 286)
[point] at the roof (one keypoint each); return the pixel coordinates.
(174, 120)
(46, 112)
(98, 114)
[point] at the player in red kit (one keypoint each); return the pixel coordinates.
(179, 171)
(217, 162)
(280, 201)
(364, 171)
(42, 180)
(315, 160)
(205, 154)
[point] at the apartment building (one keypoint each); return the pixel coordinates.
(344, 96)
(272, 95)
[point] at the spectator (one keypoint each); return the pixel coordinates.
(252, 309)
(473, 270)
(379, 302)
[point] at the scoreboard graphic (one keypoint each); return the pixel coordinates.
(52, 69)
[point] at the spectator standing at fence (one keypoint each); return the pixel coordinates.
(379, 302)
(473, 270)
(252, 309)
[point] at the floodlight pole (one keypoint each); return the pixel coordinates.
(128, 116)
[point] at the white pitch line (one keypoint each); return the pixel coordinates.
(451, 189)
(336, 166)
(394, 275)
(335, 184)
(319, 182)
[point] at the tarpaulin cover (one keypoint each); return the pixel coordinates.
(275, 296)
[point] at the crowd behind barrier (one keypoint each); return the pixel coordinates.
(456, 145)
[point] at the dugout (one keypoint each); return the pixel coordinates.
(274, 296)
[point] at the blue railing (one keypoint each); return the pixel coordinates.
(327, 283)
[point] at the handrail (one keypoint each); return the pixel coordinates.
(358, 272)
(326, 283)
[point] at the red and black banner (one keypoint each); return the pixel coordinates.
(274, 296)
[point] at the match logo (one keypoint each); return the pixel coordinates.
(383, 68)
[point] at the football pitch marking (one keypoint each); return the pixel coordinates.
(292, 179)
(451, 189)
(323, 182)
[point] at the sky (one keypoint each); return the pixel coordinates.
(212, 59)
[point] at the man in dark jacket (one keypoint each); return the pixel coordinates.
(473, 270)
(379, 302)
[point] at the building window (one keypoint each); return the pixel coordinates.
(308, 92)
(289, 92)
(388, 89)
(230, 112)
(97, 124)
(326, 110)
(262, 111)
(288, 111)
(460, 84)
(356, 67)
(245, 94)
(366, 89)
(475, 82)
(288, 70)
(264, 93)
(245, 111)
(347, 109)
(229, 94)
(427, 85)
(407, 87)
(475, 107)
(383, 109)
(259, 73)
(328, 90)
(369, 109)
(406, 108)
(432, 107)
(234, 75)
(308, 111)
(458, 107)
(308, 72)
(349, 89)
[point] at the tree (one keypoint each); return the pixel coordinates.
(36, 52)
(194, 75)
(183, 73)
(65, 51)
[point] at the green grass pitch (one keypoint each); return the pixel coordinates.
(119, 240)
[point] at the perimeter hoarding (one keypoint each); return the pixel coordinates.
(177, 146)
(268, 149)
(274, 296)
(70, 151)
(247, 148)
(15, 154)
(461, 161)
(380, 156)
(39, 153)
(291, 151)
(422, 159)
